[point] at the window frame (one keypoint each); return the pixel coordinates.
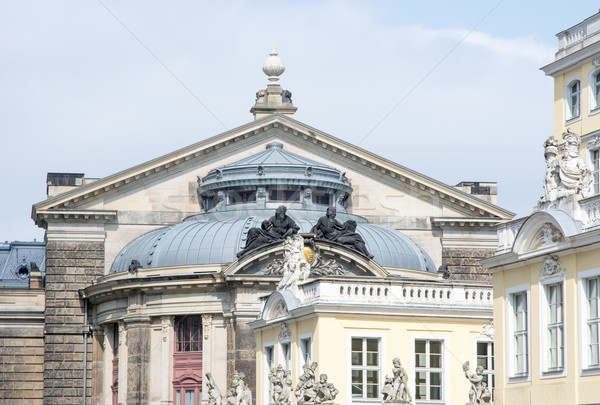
(445, 339)
(266, 369)
(283, 195)
(545, 370)
(569, 116)
(282, 358)
(244, 197)
(584, 363)
(381, 368)
(301, 351)
(511, 292)
(593, 86)
(487, 372)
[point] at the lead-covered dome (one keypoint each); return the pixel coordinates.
(208, 240)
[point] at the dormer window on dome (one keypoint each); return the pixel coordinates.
(272, 177)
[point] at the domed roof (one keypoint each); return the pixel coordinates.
(214, 241)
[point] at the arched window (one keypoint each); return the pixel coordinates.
(573, 99)
(596, 89)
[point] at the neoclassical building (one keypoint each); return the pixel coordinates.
(144, 289)
(546, 274)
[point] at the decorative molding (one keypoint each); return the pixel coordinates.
(207, 321)
(166, 326)
(284, 331)
(488, 330)
(596, 62)
(122, 333)
(552, 268)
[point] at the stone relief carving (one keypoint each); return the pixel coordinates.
(280, 386)
(261, 192)
(122, 332)
(279, 310)
(488, 330)
(551, 267)
(284, 331)
(396, 389)
(596, 62)
(568, 176)
(549, 235)
(325, 267)
(479, 393)
(207, 320)
(166, 327)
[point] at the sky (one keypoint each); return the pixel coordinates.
(449, 89)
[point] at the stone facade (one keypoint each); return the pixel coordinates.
(70, 267)
(21, 369)
(464, 264)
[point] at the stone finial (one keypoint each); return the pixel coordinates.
(273, 66)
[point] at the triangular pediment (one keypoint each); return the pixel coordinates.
(236, 143)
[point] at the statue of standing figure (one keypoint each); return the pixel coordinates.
(305, 390)
(281, 386)
(240, 393)
(396, 389)
(479, 392)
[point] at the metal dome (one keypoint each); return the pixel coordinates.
(213, 241)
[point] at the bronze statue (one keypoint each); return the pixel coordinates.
(329, 228)
(276, 228)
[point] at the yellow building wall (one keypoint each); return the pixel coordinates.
(589, 120)
(569, 389)
(331, 349)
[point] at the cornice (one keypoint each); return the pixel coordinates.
(60, 215)
(571, 61)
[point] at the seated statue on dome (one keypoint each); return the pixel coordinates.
(327, 227)
(349, 237)
(258, 237)
(276, 228)
(282, 225)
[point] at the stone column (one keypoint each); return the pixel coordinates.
(107, 364)
(168, 334)
(139, 332)
(122, 379)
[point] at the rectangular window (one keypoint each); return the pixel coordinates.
(485, 359)
(365, 367)
(284, 195)
(574, 99)
(305, 351)
(520, 335)
(268, 365)
(243, 197)
(596, 170)
(428, 369)
(321, 199)
(189, 334)
(555, 327)
(593, 321)
(286, 355)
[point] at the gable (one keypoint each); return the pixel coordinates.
(174, 175)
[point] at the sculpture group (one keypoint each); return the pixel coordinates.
(568, 175)
(239, 394)
(280, 226)
(307, 391)
(479, 392)
(396, 389)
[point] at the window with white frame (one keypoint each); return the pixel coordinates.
(553, 328)
(595, 82)
(573, 99)
(521, 333)
(366, 367)
(305, 344)
(595, 157)
(517, 332)
(428, 370)
(485, 359)
(268, 365)
(593, 321)
(285, 355)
